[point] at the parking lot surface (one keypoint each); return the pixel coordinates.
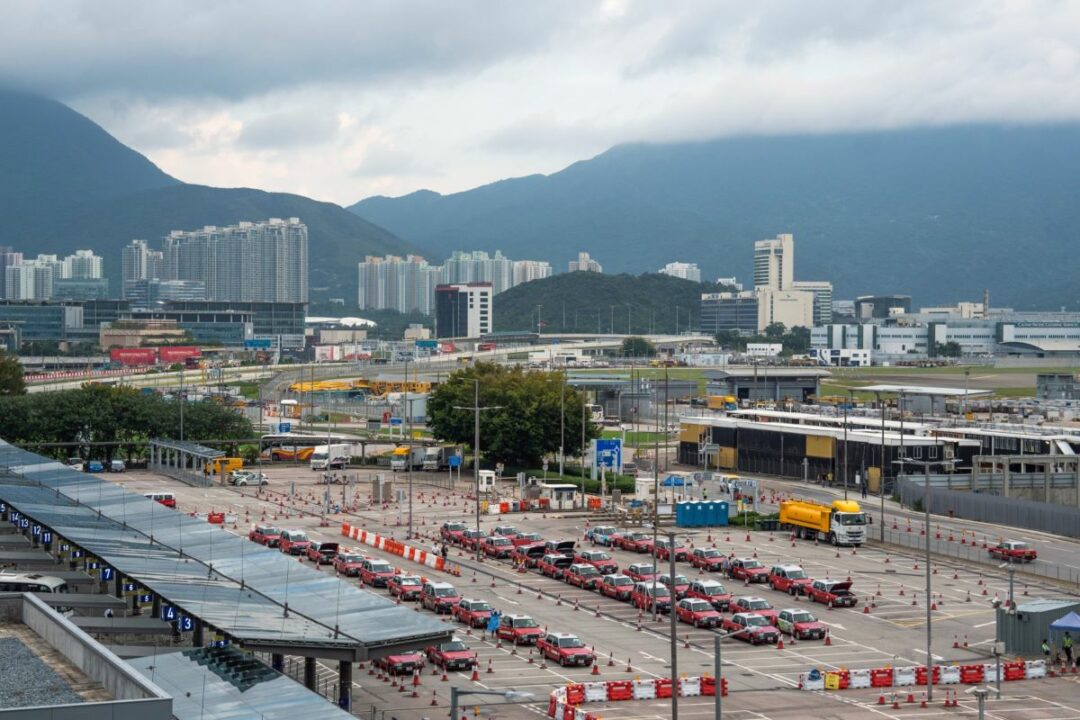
(886, 627)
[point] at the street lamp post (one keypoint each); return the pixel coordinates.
(476, 409)
(562, 423)
(718, 707)
(674, 630)
(408, 432)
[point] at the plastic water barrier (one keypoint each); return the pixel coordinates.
(888, 677)
(564, 702)
(395, 547)
(644, 690)
(904, 676)
(1035, 669)
(596, 692)
(859, 679)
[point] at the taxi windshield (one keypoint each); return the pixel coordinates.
(756, 621)
(757, 604)
(455, 646)
(751, 564)
(796, 575)
(714, 589)
(802, 617)
(588, 570)
(711, 552)
(445, 592)
(380, 567)
(701, 606)
(570, 642)
(619, 581)
(525, 623)
(408, 580)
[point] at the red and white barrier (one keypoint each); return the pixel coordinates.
(889, 677)
(394, 547)
(564, 702)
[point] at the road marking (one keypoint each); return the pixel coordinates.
(985, 624)
(937, 658)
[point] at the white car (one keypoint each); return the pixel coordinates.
(246, 477)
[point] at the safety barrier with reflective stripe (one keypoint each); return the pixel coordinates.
(565, 702)
(394, 547)
(882, 678)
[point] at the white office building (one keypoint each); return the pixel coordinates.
(822, 292)
(584, 263)
(463, 310)
(774, 263)
(686, 271)
(83, 265)
(29, 280)
(529, 270)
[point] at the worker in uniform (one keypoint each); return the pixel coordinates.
(1067, 646)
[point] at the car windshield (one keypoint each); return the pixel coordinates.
(525, 623)
(644, 569)
(445, 592)
(681, 580)
(851, 518)
(570, 642)
(710, 553)
(532, 537)
(620, 581)
(660, 591)
(588, 570)
(756, 604)
(454, 527)
(796, 575)
(756, 621)
(297, 536)
(353, 558)
(1018, 546)
(479, 607)
(269, 531)
(408, 580)
(599, 556)
(713, 589)
(455, 646)
(802, 617)
(700, 606)
(500, 541)
(381, 568)
(751, 564)
(507, 531)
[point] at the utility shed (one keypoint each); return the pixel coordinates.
(1024, 630)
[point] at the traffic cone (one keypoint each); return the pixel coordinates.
(828, 637)
(780, 643)
(911, 698)
(895, 700)
(611, 659)
(490, 670)
(595, 668)
(475, 675)
(922, 704)
(434, 700)
(881, 699)
(955, 642)
(629, 669)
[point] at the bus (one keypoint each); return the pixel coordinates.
(31, 582)
(596, 413)
(296, 447)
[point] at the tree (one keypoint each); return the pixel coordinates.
(951, 349)
(11, 376)
(775, 331)
(637, 347)
(731, 340)
(524, 428)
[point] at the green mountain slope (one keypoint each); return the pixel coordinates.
(600, 303)
(67, 184)
(940, 213)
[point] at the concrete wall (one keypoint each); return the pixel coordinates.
(134, 697)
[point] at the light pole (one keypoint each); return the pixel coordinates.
(510, 695)
(929, 592)
(562, 422)
(718, 707)
(881, 479)
(408, 432)
(476, 410)
(845, 448)
(674, 629)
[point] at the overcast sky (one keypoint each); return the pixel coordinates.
(340, 100)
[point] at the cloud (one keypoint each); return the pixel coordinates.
(342, 100)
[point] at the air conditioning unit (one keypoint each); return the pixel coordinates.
(949, 452)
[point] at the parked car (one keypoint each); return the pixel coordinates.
(519, 630)
(748, 569)
(471, 538)
(267, 535)
(401, 664)
(836, 592)
(755, 629)
(565, 649)
(452, 655)
(640, 572)
(712, 592)
(800, 624)
(791, 579)
(1013, 551)
(677, 585)
(664, 549)
(706, 558)
(507, 531)
(528, 554)
(322, 553)
(636, 542)
(554, 565)
(643, 594)
(243, 478)
(698, 613)
(601, 534)
(598, 559)
(616, 586)
(375, 572)
(95, 466)
(566, 547)
(756, 606)
(451, 532)
(474, 613)
(497, 546)
(348, 563)
(407, 587)
(294, 542)
(527, 538)
(582, 575)
(117, 466)
(440, 597)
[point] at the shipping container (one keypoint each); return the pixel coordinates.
(178, 354)
(133, 356)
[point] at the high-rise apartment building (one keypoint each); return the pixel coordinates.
(584, 263)
(463, 310)
(30, 280)
(139, 262)
(479, 267)
(248, 262)
(395, 283)
(529, 270)
(83, 265)
(774, 262)
(686, 271)
(8, 257)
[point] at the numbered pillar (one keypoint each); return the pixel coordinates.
(197, 639)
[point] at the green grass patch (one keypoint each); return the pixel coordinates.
(636, 438)
(1015, 392)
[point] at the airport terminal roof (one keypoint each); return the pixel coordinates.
(255, 594)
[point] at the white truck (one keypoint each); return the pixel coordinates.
(438, 457)
(330, 457)
(403, 458)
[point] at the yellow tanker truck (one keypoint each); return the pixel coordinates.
(842, 523)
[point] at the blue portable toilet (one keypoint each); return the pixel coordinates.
(680, 515)
(708, 512)
(698, 514)
(720, 514)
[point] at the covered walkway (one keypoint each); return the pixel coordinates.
(187, 462)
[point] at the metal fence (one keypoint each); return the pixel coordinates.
(1012, 511)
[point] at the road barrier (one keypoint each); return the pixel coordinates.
(394, 547)
(888, 677)
(564, 702)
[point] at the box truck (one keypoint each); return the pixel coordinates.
(841, 523)
(438, 457)
(330, 457)
(403, 458)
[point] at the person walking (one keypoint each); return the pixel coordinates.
(1067, 646)
(1046, 650)
(444, 551)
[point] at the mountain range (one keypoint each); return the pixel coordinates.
(67, 184)
(939, 213)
